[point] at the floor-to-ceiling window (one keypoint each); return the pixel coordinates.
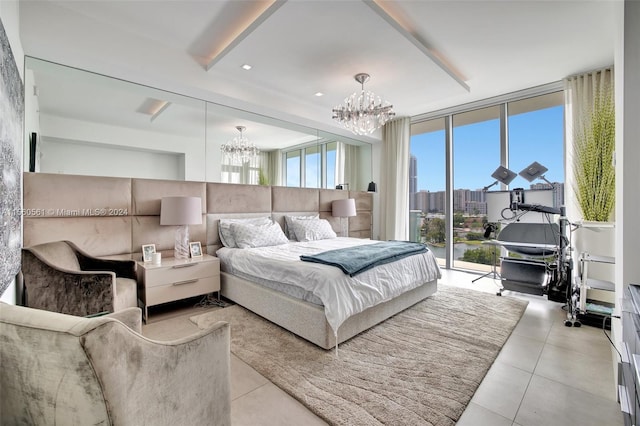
(312, 166)
(293, 165)
(512, 132)
(536, 133)
(476, 154)
(427, 174)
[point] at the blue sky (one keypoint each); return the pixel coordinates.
(533, 136)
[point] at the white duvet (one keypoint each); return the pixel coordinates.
(341, 295)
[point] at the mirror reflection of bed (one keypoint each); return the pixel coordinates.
(317, 302)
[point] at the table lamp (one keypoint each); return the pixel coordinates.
(181, 211)
(343, 208)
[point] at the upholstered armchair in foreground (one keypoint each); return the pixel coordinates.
(60, 277)
(65, 370)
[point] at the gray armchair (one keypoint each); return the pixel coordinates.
(63, 370)
(60, 277)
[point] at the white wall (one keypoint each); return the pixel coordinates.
(108, 160)
(10, 21)
(627, 152)
(191, 150)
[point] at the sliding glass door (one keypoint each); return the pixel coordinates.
(536, 133)
(512, 133)
(476, 154)
(427, 174)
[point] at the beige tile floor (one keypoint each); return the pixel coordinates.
(546, 374)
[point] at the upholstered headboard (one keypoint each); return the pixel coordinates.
(228, 200)
(116, 216)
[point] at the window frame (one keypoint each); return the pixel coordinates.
(447, 114)
(321, 147)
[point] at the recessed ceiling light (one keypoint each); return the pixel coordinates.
(318, 94)
(246, 67)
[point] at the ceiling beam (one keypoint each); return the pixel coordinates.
(422, 46)
(253, 25)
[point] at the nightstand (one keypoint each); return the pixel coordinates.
(176, 279)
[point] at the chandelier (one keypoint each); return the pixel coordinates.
(240, 149)
(363, 112)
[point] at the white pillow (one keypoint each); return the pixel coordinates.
(288, 224)
(224, 228)
(311, 230)
(247, 235)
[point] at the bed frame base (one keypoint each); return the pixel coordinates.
(308, 320)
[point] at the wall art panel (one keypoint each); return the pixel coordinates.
(11, 116)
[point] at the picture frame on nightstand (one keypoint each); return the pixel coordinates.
(147, 252)
(196, 249)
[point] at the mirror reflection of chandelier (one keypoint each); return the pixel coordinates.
(240, 149)
(364, 112)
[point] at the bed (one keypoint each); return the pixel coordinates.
(318, 302)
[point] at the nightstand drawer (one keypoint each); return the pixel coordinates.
(180, 273)
(176, 279)
(182, 289)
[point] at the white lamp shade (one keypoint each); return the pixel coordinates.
(343, 208)
(181, 211)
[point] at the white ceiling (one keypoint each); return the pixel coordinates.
(422, 55)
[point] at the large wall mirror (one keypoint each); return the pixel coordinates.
(79, 122)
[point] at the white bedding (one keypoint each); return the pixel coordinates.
(341, 295)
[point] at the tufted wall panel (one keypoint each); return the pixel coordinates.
(114, 216)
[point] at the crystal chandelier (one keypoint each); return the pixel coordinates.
(240, 149)
(363, 112)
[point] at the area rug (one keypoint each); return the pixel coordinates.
(421, 366)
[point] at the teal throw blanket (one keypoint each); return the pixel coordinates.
(354, 260)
